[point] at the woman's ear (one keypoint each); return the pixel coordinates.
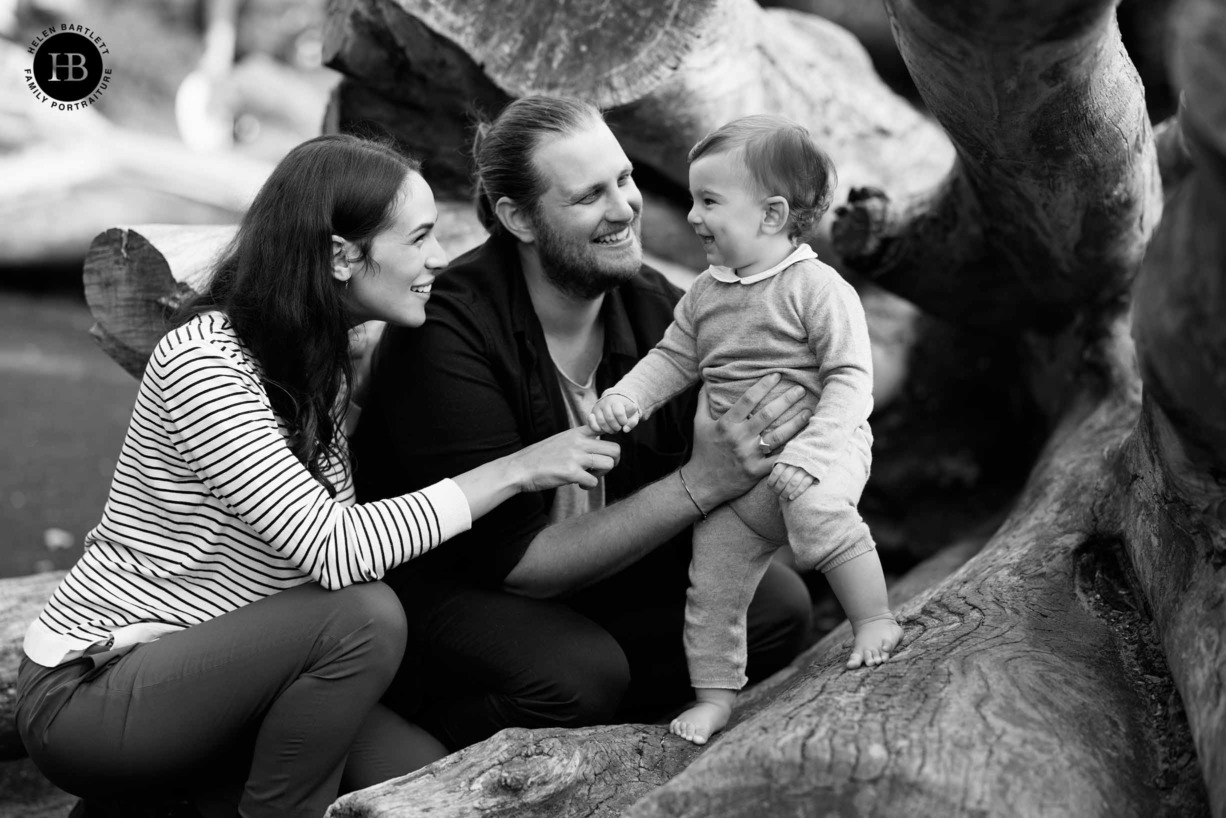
(515, 220)
(342, 251)
(775, 215)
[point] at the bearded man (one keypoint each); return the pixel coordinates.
(563, 607)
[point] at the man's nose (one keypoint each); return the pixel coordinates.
(624, 204)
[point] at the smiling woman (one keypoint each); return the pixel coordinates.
(230, 591)
(394, 284)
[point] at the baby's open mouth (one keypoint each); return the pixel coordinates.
(424, 289)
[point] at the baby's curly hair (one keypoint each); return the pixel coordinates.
(783, 160)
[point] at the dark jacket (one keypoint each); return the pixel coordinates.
(476, 382)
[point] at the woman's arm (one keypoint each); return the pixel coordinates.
(219, 422)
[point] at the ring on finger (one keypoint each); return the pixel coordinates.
(764, 447)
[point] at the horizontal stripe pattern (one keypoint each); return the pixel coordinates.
(209, 509)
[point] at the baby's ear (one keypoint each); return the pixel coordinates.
(775, 215)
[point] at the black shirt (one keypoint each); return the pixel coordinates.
(476, 382)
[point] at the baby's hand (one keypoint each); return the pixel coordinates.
(789, 482)
(613, 413)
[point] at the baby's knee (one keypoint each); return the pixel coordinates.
(829, 537)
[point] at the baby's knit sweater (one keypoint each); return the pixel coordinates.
(800, 319)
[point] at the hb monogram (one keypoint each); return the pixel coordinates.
(72, 62)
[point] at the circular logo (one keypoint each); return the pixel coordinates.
(68, 67)
(68, 71)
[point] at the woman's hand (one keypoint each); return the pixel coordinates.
(728, 460)
(575, 456)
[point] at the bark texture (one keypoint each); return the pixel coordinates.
(1054, 194)
(1172, 472)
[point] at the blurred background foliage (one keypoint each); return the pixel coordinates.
(206, 96)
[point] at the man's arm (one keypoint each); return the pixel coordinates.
(726, 462)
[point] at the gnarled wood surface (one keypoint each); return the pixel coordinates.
(1172, 472)
(1055, 192)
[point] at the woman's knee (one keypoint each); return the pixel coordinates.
(372, 609)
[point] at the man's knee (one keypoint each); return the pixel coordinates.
(582, 685)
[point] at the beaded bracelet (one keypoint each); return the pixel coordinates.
(684, 485)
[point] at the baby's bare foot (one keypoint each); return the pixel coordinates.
(874, 641)
(701, 721)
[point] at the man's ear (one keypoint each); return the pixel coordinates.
(342, 251)
(515, 219)
(775, 215)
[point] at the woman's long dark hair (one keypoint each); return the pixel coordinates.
(275, 280)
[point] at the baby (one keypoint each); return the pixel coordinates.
(767, 305)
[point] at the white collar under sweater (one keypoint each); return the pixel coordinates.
(724, 274)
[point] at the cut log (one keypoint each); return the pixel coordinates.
(21, 599)
(135, 277)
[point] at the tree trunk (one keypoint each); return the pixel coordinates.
(1171, 474)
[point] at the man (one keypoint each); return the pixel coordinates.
(559, 608)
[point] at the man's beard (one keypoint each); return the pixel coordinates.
(582, 271)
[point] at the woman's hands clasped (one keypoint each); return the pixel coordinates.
(575, 456)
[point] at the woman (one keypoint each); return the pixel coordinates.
(223, 633)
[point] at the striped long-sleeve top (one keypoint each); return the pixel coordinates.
(209, 510)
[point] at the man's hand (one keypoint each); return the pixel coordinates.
(789, 482)
(727, 459)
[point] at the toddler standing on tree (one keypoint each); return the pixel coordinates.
(767, 305)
